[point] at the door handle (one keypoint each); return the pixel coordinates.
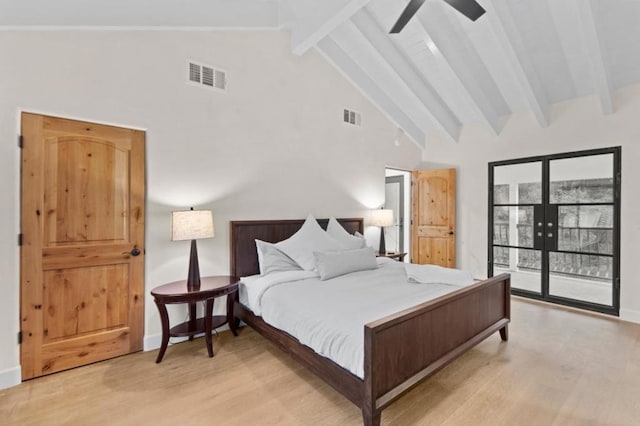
(450, 233)
(135, 252)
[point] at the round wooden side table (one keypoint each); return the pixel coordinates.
(210, 289)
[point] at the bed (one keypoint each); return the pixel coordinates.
(401, 349)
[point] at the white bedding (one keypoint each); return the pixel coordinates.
(329, 316)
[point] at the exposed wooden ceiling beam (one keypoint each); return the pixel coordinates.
(359, 78)
(506, 31)
(326, 16)
(405, 70)
(589, 15)
(448, 36)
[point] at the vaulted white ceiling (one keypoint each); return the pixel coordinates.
(441, 71)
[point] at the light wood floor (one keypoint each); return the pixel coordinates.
(560, 367)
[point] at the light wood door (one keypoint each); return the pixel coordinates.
(433, 213)
(82, 257)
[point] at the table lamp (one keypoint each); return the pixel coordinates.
(381, 218)
(192, 225)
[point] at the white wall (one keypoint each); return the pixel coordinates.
(575, 125)
(274, 146)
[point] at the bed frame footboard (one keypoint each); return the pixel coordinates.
(403, 349)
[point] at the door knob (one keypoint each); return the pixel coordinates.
(135, 252)
(450, 233)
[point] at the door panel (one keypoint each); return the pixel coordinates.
(433, 214)
(435, 251)
(582, 198)
(84, 300)
(82, 215)
(80, 175)
(517, 224)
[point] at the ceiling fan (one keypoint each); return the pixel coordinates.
(469, 8)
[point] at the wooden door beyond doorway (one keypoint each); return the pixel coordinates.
(82, 253)
(433, 215)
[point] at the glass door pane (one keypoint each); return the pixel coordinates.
(517, 201)
(581, 180)
(586, 278)
(581, 191)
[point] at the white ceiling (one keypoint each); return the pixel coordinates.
(442, 71)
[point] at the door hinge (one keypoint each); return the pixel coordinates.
(20, 141)
(19, 337)
(20, 239)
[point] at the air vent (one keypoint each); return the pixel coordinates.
(352, 117)
(194, 72)
(205, 75)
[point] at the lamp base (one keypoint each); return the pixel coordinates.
(382, 249)
(193, 278)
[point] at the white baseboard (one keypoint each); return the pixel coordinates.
(630, 315)
(10, 377)
(153, 341)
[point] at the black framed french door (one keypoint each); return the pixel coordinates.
(554, 225)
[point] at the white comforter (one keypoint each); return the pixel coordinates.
(329, 316)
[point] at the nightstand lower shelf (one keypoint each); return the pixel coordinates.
(185, 328)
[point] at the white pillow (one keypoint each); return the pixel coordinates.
(301, 245)
(271, 259)
(334, 263)
(347, 240)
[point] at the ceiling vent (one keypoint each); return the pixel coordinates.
(207, 76)
(352, 117)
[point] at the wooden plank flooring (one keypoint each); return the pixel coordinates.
(560, 367)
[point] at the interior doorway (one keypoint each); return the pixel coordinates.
(554, 225)
(398, 199)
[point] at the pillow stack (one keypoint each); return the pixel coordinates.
(334, 252)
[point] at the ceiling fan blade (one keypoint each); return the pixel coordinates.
(469, 8)
(408, 12)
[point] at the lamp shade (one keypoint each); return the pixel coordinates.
(191, 225)
(381, 217)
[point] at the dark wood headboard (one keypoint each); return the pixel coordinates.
(244, 258)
